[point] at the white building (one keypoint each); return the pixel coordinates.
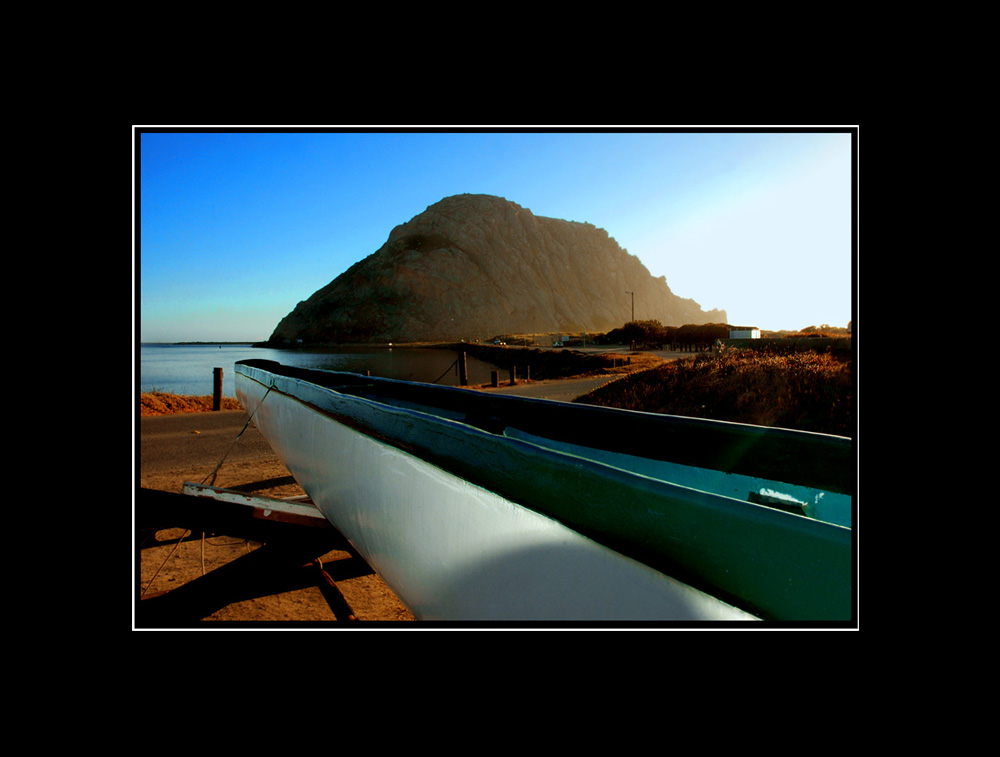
(744, 332)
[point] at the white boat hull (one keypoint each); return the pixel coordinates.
(453, 551)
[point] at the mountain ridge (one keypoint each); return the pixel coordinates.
(473, 266)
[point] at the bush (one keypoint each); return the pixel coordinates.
(805, 390)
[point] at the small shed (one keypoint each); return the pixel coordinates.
(744, 332)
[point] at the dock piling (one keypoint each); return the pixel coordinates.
(217, 389)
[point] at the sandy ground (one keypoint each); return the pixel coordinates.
(188, 447)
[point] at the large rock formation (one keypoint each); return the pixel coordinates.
(474, 266)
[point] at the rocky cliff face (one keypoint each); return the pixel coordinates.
(475, 266)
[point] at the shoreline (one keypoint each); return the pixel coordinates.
(560, 364)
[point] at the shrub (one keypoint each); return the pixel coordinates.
(805, 390)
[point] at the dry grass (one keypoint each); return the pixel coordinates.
(805, 390)
(158, 403)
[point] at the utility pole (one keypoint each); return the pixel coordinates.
(633, 305)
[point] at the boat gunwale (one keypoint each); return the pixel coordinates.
(820, 461)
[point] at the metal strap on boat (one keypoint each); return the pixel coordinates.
(215, 472)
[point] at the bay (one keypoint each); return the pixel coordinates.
(189, 368)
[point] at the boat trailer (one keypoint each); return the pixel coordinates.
(294, 535)
(301, 509)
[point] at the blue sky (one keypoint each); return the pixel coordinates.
(234, 229)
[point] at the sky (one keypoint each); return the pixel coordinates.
(233, 228)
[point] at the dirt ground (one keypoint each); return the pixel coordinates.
(180, 557)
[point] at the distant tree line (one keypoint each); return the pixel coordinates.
(654, 335)
(824, 330)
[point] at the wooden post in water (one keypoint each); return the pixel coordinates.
(463, 370)
(513, 375)
(217, 390)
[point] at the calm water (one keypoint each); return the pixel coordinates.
(188, 368)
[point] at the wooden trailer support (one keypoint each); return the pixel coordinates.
(294, 534)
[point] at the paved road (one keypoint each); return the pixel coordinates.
(190, 440)
(563, 390)
(194, 440)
